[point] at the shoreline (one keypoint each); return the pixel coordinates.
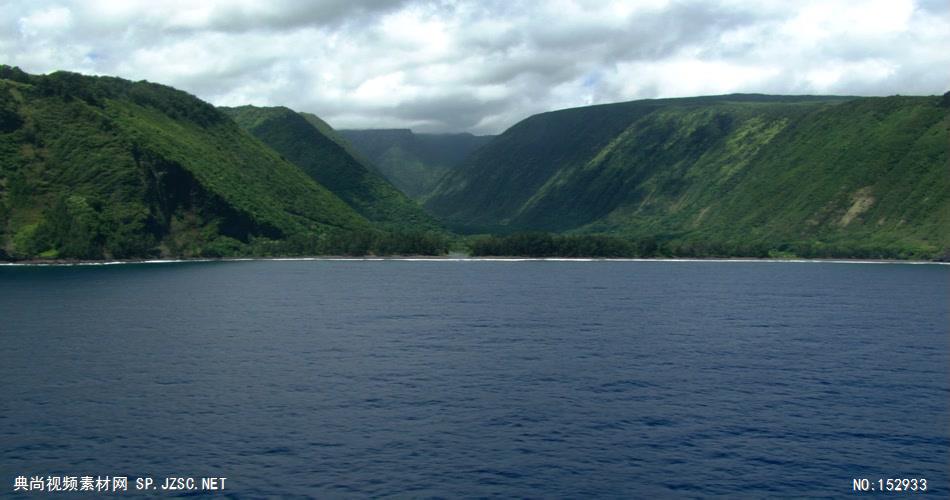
(453, 258)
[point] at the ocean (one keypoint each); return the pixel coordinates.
(470, 378)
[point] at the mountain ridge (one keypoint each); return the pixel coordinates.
(326, 159)
(679, 170)
(412, 161)
(101, 167)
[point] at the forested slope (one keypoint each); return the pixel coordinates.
(327, 161)
(413, 162)
(729, 175)
(99, 167)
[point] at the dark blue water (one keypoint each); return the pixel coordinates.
(535, 379)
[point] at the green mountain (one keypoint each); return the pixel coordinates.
(413, 162)
(311, 144)
(100, 167)
(724, 175)
(335, 136)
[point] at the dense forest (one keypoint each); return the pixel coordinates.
(741, 175)
(329, 163)
(104, 168)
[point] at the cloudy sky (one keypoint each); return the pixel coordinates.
(480, 66)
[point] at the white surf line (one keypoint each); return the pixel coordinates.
(104, 263)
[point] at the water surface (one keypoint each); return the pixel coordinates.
(537, 379)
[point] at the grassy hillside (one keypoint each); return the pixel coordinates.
(99, 167)
(727, 175)
(327, 161)
(413, 162)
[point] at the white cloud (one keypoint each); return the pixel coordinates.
(483, 65)
(45, 22)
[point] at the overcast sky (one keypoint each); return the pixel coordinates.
(481, 66)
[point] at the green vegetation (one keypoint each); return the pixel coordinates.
(335, 136)
(297, 139)
(99, 167)
(738, 175)
(542, 244)
(351, 243)
(538, 244)
(413, 162)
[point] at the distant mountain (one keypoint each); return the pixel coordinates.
(100, 167)
(313, 145)
(413, 162)
(335, 136)
(731, 174)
